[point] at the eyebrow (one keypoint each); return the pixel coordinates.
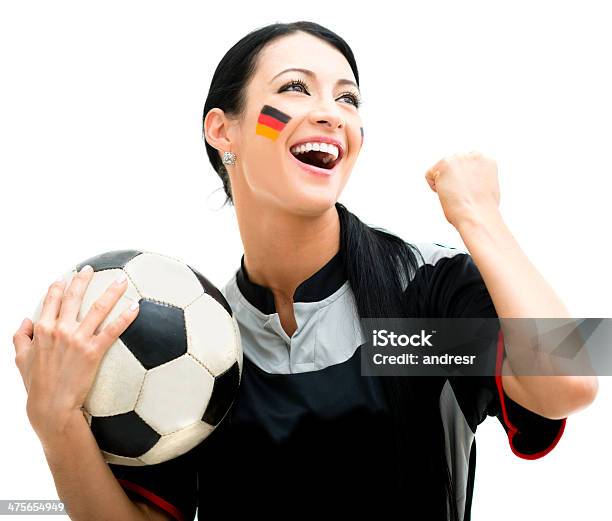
(312, 74)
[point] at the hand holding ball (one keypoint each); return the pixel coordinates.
(169, 378)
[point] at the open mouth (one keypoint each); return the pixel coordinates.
(320, 158)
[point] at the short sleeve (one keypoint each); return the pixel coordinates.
(457, 289)
(171, 485)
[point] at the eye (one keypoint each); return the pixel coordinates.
(356, 100)
(300, 84)
(294, 83)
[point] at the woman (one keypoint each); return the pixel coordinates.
(308, 432)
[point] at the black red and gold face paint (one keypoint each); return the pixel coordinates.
(270, 122)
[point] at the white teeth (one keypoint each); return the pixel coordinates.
(332, 150)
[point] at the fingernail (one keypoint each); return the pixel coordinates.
(134, 306)
(120, 278)
(60, 279)
(87, 267)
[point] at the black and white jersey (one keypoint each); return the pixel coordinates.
(308, 431)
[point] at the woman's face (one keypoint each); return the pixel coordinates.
(280, 114)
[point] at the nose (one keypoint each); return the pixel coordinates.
(327, 116)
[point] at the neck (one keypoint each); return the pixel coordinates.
(283, 249)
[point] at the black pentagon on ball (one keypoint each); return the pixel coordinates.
(109, 260)
(124, 434)
(212, 290)
(224, 391)
(157, 335)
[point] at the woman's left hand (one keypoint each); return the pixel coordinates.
(467, 186)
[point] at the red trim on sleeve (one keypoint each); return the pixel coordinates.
(161, 503)
(512, 429)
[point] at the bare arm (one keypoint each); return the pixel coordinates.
(518, 290)
(58, 358)
(468, 188)
(85, 483)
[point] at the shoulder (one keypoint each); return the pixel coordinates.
(433, 252)
(437, 261)
(447, 283)
(230, 289)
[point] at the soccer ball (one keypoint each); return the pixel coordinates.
(173, 374)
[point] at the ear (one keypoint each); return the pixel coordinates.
(217, 130)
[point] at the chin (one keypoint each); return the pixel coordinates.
(302, 194)
(311, 203)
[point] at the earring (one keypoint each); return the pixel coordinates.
(229, 158)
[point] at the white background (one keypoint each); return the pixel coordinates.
(101, 149)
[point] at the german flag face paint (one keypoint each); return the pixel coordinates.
(270, 122)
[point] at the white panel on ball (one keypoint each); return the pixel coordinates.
(117, 383)
(177, 443)
(179, 286)
(174, 395)
(121, 460)
(211, 337)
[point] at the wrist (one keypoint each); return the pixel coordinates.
(479, 218)
(59, 430)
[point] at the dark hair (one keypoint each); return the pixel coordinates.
(236, 68)
(379, 265)
(376, 263)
